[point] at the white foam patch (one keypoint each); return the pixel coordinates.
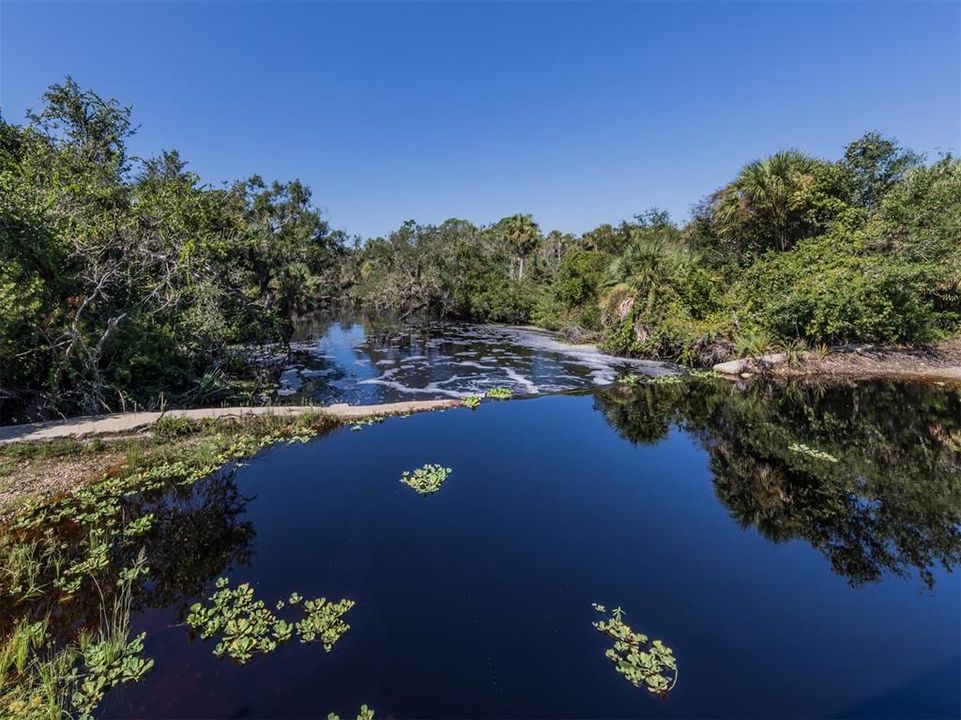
(521, 380)
(471, 363)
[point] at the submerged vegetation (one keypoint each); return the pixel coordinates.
(640, 660)
(427, 479)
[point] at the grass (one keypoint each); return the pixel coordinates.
(66, 447)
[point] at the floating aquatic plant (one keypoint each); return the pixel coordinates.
(635, 657)
(78, 545)
(811, 452)
(426, 479)
(324, 620)
(108, 661)
(367, 422)
(632, 379)
(664, 379)
(365, 713)
(703, 374)
(471, 401)
(247, 627)
(500, 393)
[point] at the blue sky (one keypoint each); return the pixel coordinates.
(580, 113)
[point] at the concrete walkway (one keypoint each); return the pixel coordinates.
(132, 422)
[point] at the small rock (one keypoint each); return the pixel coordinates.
(731, 367)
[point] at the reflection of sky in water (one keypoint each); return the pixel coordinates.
(342, 362)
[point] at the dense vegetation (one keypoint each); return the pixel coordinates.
(125, 282)
(793, 250)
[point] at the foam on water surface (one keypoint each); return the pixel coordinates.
(345, 362)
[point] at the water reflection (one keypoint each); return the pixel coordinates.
(366, 363)
(198, 531)
(539, 512)
(892, 502)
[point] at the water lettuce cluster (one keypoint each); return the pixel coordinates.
(247, 627)
(365, 713)
(426, 479)
(635, 657)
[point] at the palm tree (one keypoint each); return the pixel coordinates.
(554, 247)
(765, 200)
(649, 261)
(522, 235)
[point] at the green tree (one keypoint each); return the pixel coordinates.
(875, 165)
(522, 235)
(764, 207)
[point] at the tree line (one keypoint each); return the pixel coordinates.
(126, 282)
(794, 250)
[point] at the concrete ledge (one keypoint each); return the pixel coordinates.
(132, 422)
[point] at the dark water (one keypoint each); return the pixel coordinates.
(364, 363)
(787, 586)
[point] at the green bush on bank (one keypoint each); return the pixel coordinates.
(127, 283)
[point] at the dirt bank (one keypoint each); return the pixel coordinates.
(940, 362)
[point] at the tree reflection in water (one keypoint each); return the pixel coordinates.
(892, 502)
(198, 532)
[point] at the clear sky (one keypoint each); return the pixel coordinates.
(580, 113)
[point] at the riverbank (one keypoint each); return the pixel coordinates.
(940, 362)
(120, 423)
(53, 459)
